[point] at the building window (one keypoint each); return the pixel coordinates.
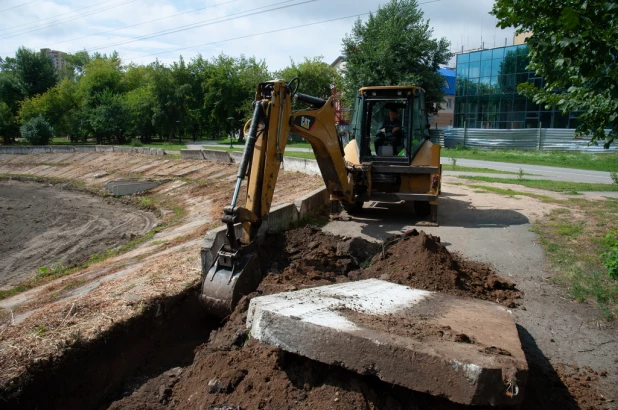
(449, 103)
(486, 92)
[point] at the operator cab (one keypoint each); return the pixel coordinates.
(377, 108)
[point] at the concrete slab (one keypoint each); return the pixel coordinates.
(191, 154)
(128, 187)
(466, 350)
(216, 156)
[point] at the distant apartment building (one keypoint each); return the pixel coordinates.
(444, 117)
(57, 57)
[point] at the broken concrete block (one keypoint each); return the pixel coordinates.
(466, 350)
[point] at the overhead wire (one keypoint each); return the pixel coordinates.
(252, 12)
(26, 31)
(56, 16)
(20, 5)
(146, 22)
(251, 35)
(262, 33)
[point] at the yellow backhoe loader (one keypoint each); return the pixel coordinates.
(377, 164)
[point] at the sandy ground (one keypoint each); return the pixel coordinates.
(88, 303)
(47, 225)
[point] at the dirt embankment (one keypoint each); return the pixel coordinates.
(234, 370)
(41, 327)
(49, 225)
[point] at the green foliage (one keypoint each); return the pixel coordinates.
(37, 131)
(27, 74)
(395, 47)
(588, 80)
(316, 76)
(109, 118)
(610, 258)
(614, 176)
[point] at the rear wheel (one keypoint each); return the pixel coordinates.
(353, 207)
(422, 208)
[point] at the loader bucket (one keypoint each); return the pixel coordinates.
(229, 279)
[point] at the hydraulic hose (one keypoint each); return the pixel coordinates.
(249, 148)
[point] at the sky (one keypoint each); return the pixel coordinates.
(276, 31)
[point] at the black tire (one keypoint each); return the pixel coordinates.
(422, 208)
(353, 207)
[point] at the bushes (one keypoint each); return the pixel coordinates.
(37, 131)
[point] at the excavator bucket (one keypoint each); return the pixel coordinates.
(231, 276)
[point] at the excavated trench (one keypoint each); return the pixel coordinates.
(92, 375)
(213, 365)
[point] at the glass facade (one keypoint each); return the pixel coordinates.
(486, 92)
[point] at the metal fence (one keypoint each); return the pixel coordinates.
(542, 139)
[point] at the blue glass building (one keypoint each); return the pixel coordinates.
(486, 92)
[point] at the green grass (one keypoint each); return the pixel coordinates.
(459, 168)
(574, 247)
(511, 192)
(293, 154)
(556, 186)
(295, 144)
(597, 162)
(574, 237)
(168, 147)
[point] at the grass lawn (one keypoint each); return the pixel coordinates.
(168, 147)
(548, 185)
(581, 244)
(575, 242)
(459, 168)
(596, 162)
(293, 154)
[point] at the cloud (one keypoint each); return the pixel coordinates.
(463, 22)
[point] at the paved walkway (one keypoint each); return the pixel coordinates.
(553, 173)
(537, 171)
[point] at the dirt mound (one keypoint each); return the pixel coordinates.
(233, 370)
(420, 261)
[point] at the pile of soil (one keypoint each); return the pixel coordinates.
(233, 371)
(420, 261)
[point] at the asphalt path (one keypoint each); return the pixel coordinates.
(534, 171)
(553, 173)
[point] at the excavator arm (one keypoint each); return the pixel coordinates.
(236, 271)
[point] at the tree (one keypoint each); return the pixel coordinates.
(60, 106)
(27, 74)
(37, 131)
(34, 71)
(575, 49)
(109, 119)
(395, 47)
(316, 77)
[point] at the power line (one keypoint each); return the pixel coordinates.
(252, 35)
(204, 23)
(264, 32)
(26, 31)
(21, 5)
(53, 17)
(146, 22)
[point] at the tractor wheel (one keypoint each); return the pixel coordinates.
(422, 208)
(353, 207)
